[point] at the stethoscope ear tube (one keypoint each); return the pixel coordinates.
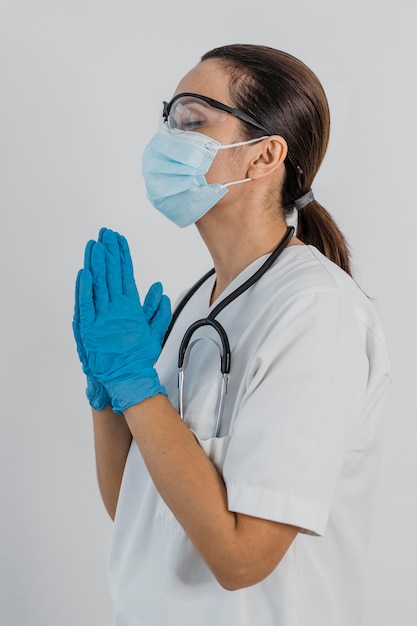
(225, 357)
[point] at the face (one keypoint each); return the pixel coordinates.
(209, 78)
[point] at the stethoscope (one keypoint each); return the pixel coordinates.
(225, 356)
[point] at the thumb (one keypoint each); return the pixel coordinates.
(162, 319)
(152, 301)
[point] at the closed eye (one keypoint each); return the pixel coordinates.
(193, 124)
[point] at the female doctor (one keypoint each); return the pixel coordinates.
(245, 498)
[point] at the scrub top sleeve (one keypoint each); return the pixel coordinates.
(305, 387)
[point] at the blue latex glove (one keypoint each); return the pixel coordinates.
(96, 393)
(120, 346)
(157, 312)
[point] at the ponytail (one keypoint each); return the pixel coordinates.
(317, 227)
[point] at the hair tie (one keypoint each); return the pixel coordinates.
(300, 203)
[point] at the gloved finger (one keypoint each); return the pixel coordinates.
(101, 234)
(99, 277)
(76, 325)
(162, 319)
(85, 299)
(87, 254)
(109, 239)
(76, 318)
(128, 278)
(152, 301)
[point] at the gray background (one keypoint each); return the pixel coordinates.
(81, 86)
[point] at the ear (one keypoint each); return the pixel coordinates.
(270, 156)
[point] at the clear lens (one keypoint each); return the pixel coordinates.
(190, 113)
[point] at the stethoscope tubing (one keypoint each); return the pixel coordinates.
(235, 294)
(225, 356)
(207, 321)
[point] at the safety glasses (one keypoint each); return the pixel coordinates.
(190, 111)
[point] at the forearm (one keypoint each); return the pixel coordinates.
(112, 439)
(183, 474)
(235, 547)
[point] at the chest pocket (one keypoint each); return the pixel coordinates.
(216, 449)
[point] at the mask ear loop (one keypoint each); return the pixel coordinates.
(235, 145)
(223, 146)
(235, 182)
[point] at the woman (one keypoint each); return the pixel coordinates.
(255, 507)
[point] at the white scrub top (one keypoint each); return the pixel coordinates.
(298, 444)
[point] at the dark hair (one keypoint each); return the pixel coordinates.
(286, 97)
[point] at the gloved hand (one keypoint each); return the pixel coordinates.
(156, 308)
(119, 346)
(157, 311)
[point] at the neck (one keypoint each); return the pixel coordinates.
(234, 243)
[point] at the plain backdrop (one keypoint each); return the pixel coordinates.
(81, 88)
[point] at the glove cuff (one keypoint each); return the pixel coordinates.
(134, 389)
(97, 395)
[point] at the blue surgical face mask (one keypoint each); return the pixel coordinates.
(173, 166)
